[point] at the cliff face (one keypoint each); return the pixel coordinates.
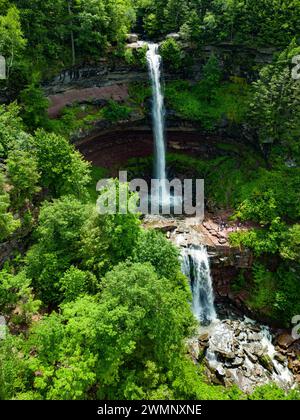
(111, 143)
(225, 261)
(234, 59)
(111, 148)
(110, 77)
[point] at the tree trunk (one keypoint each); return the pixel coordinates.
(72, 35)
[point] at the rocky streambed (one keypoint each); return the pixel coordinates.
(235, 349)
(241, 352)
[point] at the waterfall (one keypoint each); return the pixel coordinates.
(158, 116)
(281, 375)
(195, 266)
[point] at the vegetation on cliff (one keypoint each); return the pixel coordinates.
(96, 307)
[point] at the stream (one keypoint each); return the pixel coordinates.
(236, 350)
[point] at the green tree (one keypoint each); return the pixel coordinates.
(154, 248)
(17, 298)
(13, 374)
(172, 54)
(63, 170)
(8, 224)
(12, 134)
(57, 248)
(44, 23)
(35, 105)
(76, 282)
(23, 177)
(108, 239)
(12, 42)
(210, 79)
(290, 248)
(116, 345)
(272, 392)
(275, 106)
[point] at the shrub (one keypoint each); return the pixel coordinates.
(115, 112)
(76, 282)
(171, 54)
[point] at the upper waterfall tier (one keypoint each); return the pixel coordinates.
(158, 115)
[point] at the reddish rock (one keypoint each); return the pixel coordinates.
(223, 291)
(295, 347)
(60, 100)
(285, 340)
(295, 366)
(242, 296)
(297, 378)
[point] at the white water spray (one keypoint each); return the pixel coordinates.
(195, 266)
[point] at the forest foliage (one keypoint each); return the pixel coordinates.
(89, 299)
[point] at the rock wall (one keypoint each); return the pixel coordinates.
(110, 76)
(235, 59)
(118, 143)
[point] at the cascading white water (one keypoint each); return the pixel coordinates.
(237, 350)
(195, 266)
(158, 116)
(282, 375)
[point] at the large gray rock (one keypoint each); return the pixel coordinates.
(280, 357)
(204, 337)
(174, 35)
(251, 356)
(132, 38)
(238, 361)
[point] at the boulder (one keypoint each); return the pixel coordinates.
(280, 357)
(180, 230)
(238, 361)
(220, 371)
(295, 366)
(132, 38)
(174, 35)
(285, 340)
(251, 356)
(242, 336)
(226, 354)
(194, 350)
(254, 337)
(258, 371)
(280, 350)
(228, 382)
(297, 378)
(166, 228)
(266, 362)
(204, 337)
(136, 45)
(207, 225)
